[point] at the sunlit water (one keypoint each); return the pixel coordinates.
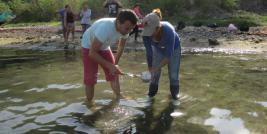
(220, 93)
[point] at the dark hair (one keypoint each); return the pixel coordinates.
(136, 5)
(66, 6)
(127, 14)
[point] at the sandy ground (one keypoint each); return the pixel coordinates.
(194, 39)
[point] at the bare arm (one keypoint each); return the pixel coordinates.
(65, 20)
(96, 45)
(120, 50)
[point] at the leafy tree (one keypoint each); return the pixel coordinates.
(229, 4)
(45, 10)
(3, 7)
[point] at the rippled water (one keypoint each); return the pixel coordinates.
(220, 93)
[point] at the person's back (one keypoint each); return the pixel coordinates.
(104, 30)
(168, 31)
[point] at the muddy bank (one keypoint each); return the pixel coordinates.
(194, 39)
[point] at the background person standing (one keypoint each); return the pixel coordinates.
(85, 15)
(69, 23)
(113, 7)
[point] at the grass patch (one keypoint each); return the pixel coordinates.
(28, 24)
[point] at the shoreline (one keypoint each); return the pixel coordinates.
(193, 40)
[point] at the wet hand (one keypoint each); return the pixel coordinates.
(114, 69)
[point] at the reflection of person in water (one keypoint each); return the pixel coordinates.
(113, 7)
(153, 122)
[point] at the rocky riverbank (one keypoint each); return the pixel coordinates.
(194, 39)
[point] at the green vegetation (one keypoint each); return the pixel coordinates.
(225, 22)
(240, 19)
(3, 7)
(193, 12)
(26, 24)
(44, 10)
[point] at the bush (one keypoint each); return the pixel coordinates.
(229, 4)
(18, 6)
(244, 25)
(3, 7)
(180, 25)
(197, 23)
(45, 10)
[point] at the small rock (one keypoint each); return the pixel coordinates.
(53, 37)
(257, 41)
(29, 38)
(192, 39)
(213, 42)
(212, 25)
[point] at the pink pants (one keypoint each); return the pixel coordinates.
(91, 67)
